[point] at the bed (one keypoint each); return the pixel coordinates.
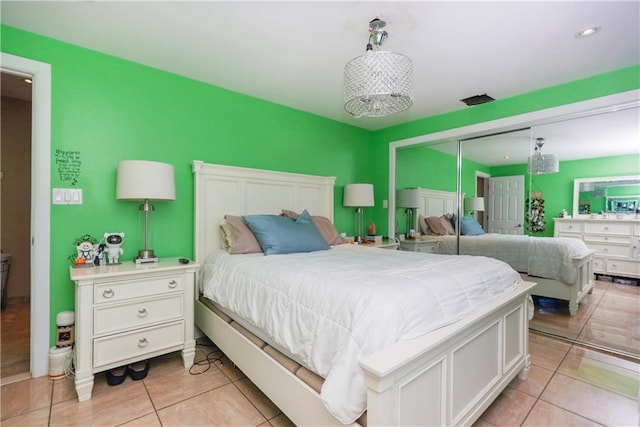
(562, 267)
(447, 376)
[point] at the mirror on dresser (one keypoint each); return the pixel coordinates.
(601, 142)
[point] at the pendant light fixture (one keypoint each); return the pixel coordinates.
(543, 164)
(378, 83)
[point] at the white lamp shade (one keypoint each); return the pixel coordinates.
(408, 198)
(358, 195)
(141, 179)
(474, 204)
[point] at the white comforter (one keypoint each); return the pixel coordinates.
(329, 308)
(548, 257)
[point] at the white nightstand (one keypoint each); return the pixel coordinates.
(429, 246)
(129, 312)
(386, 244)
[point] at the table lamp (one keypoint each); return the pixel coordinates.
(474, 204)
(358, 196)
(409, 199)
(147, 181)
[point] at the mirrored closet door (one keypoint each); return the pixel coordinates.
(520, 182)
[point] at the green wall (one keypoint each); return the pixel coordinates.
(557, 189)
(107, 109)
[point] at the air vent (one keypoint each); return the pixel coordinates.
(477, 99)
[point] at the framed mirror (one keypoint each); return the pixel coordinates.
(619, 195)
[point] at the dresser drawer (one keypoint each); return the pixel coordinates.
(137, 344)
(118, 291)
(138, 313)
(623, 268)
(568, 227)
(611, 250)
(600, 238)
(608, 228)
(599, 265)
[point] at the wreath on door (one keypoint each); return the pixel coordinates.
(535, 212)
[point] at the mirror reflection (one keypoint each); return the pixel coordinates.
(511, 185)
(606, 195)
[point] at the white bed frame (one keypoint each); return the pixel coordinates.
(437, 203)
(447, 377)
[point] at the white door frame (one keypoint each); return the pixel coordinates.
(40, 204)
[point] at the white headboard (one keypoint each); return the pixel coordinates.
(436, 202)
(221, 190)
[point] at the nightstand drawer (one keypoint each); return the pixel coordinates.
(137, 313)
(426, 246)
(117, 291)
(136, 344)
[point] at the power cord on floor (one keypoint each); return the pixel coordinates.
(70, 363)
(212, 354)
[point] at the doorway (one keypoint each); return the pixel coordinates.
(15, 211)
(40, 221)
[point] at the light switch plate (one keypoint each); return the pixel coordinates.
(67, 196)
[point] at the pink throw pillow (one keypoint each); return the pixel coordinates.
(237, 237)
(448, 225)
(435, 225)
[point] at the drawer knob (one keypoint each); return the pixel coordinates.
(142, 312)
(606, 228)
(173, 284)
(606, 238)
(143, 342)
(108, 293)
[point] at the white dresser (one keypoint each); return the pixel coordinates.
(128, 312)
(616, 242)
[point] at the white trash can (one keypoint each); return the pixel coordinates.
(59, 362)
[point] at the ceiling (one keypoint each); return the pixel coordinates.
(605, 134)
(293, 53)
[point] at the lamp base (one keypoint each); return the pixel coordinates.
(146, 256)
(146, 260)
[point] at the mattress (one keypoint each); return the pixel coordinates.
(330, 308)
(547, 257)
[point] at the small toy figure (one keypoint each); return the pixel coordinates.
(113, 241)
(99, 252)
(85, 249)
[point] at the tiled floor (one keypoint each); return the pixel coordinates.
(609, 317)
(567, 385)
(14, 329)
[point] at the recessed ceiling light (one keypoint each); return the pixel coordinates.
(589, 31)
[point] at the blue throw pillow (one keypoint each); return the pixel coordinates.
(470, 227)
(281, 235)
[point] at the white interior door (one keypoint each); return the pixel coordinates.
(506, 205)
